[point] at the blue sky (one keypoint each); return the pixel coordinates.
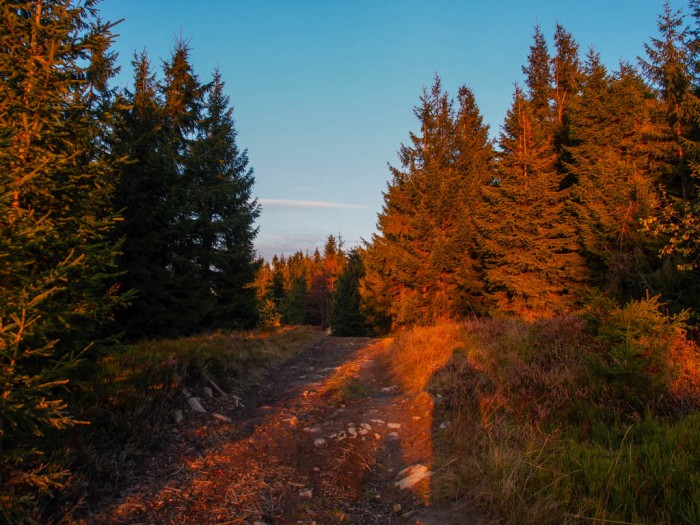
(324, 90)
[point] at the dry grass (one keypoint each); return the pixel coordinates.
(130, 394)
(520, 402)
(423, 351)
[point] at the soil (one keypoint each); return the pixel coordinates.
(322, 441)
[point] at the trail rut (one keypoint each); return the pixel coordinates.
(324, 440)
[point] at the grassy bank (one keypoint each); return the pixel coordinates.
(551, 423)
(128, 397)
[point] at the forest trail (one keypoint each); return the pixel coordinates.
(324, 441)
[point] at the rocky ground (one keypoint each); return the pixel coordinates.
(327, 439)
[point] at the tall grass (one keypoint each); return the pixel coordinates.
(538, 435)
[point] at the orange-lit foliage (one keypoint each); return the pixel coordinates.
(422, 352)
(530, 372)
(299, 288)
(521, 400)
(685, 382)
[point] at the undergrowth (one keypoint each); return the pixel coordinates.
(589, 419)
(129, 395)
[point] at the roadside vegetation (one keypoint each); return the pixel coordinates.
(589, 419)
(127, 399)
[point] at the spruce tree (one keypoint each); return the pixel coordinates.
(224, 213)
(566, 71)
(184, 98)
(538, 77)
(189, 212)
(55, 222)
(614, 189)
(294, 305)
(143, 195)
(529, 243)
(346, 318)
(671, 69)
(668, 72)
(420, 267)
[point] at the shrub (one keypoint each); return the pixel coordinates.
(632, 366)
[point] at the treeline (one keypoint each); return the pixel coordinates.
(318, 289)
(591, 185)
(122, 212)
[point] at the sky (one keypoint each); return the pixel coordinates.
(324, 90)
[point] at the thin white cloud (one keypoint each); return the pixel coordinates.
(293, 203)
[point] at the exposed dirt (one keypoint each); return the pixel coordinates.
(323, 441)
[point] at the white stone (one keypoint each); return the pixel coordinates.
(394, 425)
(393, 435)
(379, 422)
(319, 441)
(412, 475)
(352, 432)
(313, 430)
(208, 391)
(196, 405)
(178, 416)
(308, 493)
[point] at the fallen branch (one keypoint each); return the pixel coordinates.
(213, 384)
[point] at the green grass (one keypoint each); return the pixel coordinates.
(646, 472)
(533, 439)
(346, 389)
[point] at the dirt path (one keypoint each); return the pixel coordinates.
(324, 442)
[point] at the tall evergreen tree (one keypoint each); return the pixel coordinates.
(143, 193)
(529, 244)
(667, 70)
(224, 213)
(420, 266)
(566, 71)
(55, 223)
(346, 318)
(189, 212)
(184, 98)
(528, 238)
(614, 190)
(671, 70)
(538, 77)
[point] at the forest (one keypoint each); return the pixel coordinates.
(559, 260)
